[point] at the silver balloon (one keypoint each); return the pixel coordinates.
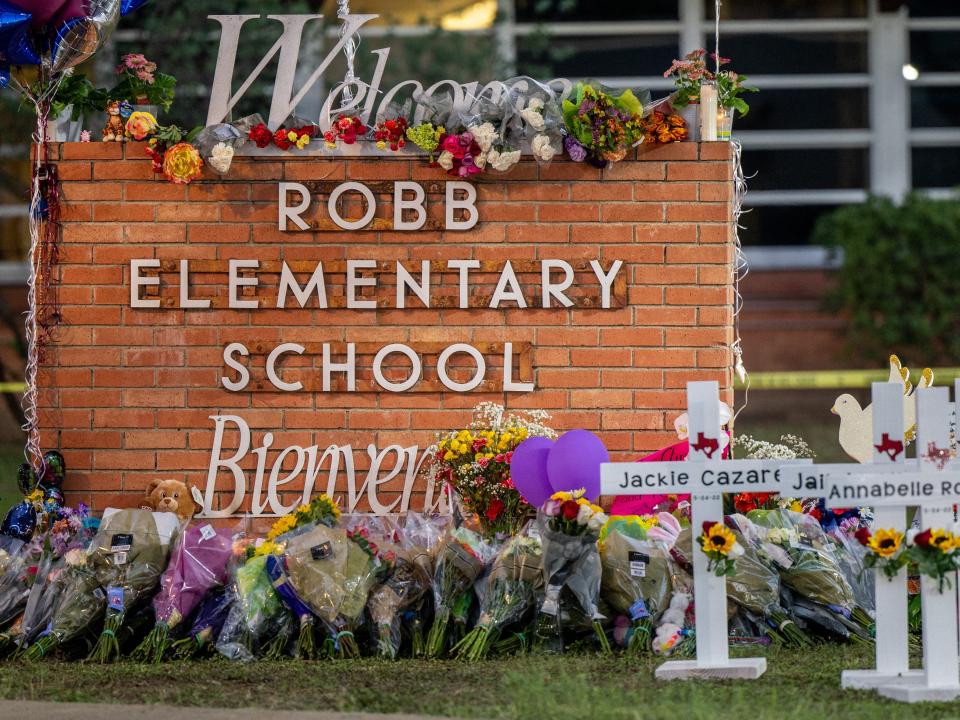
(78, 39)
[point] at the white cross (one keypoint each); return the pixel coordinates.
(934, 489)
(705, 477)
(890, 485)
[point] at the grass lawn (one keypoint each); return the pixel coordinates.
(797, 684)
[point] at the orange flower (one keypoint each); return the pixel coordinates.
(182, 163)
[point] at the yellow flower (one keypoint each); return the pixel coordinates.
(303, 141)
(292, 136)
(269, 547)
(886, 542)
(182, 163)
(718, 539)
(448, 456)
(795, 506)
(331, 144)
(381, 145)
(282, 525)
(943, 540)
(140, 124)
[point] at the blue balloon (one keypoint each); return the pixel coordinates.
(15, 45)
(128, 6)
(20, 522)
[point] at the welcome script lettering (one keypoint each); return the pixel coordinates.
(362, 289)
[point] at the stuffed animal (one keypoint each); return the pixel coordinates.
(670, 630)
(171, 496)
(114, 129)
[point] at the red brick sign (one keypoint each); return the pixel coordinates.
(232, 333)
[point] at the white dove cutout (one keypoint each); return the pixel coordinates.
(856, 423)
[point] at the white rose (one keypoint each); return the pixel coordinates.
(911, 534)
(220, 157)
(584, 514)
(542, 149)
(480, 161)
(597, 521)
(504, 160)
(533, 117)
(445, 160)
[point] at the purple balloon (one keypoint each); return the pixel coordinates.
(528, 468)
(43, 11)
(574, 463)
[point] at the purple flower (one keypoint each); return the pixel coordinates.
(576, 151)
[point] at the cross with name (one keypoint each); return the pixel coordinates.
(891, 485)
(705, 476)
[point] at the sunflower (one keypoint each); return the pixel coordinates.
(719, 539)
(943, 540)
(886, 542)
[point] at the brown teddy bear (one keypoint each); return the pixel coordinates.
(171, 496)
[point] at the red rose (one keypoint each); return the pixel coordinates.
(862, 535)
(707, 524)
(815, 512)
(569, 510)
(922, 539)
(494, 509)
(744, 503)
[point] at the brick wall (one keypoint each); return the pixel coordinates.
(127, 393)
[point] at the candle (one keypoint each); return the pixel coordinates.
(708, 113)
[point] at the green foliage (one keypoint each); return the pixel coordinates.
(160, 92)
(78, 91)
(900, 277)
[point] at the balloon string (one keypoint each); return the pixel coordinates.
(42, 255)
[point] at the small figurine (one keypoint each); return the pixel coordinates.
(84, 136)
(113, 131)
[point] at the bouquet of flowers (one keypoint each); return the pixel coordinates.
(569, 526)
(886, 550)
(346, 129)
(475, 462)
(333, 576)
(64, 543)
(198, 564)
(755, 586)
(601, 126)
(636, 572)
(511, 589)
(426, 136)
(461, 558)
(206, 626)
(420, 537)
(257, 624)
(660, 127)
(852, 559)
(936, 553)
(306, 646)
(391, 133)
(807, 563)
(128, 556)
(15, 556)
(403, 589)
(79, 608)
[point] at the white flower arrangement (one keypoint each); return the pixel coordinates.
(542, 148)
(532, 114)
(485, 134)
(790, 447)
(221, 157)
(503, 160)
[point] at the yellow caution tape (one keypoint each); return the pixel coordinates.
(13, 387)
(832, 379)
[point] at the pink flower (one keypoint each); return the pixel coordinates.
(483, 462)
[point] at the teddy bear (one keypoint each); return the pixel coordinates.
(114, 129)
(171, 496)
